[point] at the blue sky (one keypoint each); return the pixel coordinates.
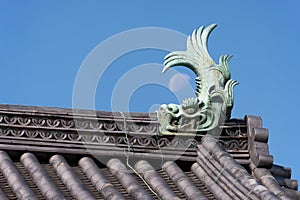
(43, 45)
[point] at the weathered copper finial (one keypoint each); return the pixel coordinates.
(214, 89)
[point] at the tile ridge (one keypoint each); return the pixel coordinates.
(261, 161)
(238, 172)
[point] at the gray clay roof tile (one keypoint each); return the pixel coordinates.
(43, 157)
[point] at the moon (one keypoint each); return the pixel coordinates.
(179, 82)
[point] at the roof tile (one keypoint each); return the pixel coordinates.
(98, 179)
(14, 178)
(69, 178)
(182, 181)
(40, 177)
(220, 168)
(128, 181)
(154, 180)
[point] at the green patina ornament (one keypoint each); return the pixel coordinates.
(214, 89)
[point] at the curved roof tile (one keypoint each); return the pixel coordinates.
(42, 156)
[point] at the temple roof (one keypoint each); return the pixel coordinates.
(54, 153)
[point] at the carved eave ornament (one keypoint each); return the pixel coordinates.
(214, 89)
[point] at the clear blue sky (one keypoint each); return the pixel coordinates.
(42, 46)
